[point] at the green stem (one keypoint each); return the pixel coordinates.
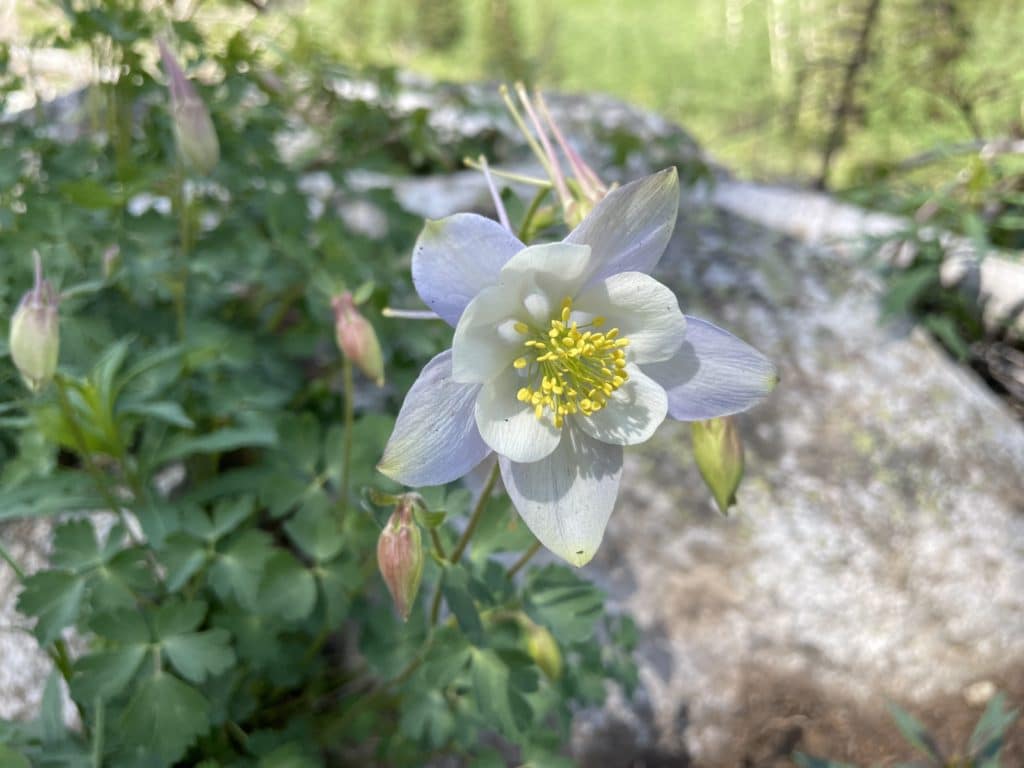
(527, 555)
(101, 481)
(438, 546)
(346, 453)
(474, 518)
(185, 243)
(524, 228)
(12, 562)
(97, 733)
(435, 603)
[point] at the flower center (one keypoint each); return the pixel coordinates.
(571, 368)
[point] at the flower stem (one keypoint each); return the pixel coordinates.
(12, 562)
(524, 228)
(185, 243)
(438, 546)
(346, 451)
(474, 518)
(526, 556)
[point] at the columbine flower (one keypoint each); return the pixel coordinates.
(563, 354)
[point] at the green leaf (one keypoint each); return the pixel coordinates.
(11, 759)
(300, 441)
(176, 617)
(428, 718)
(55, 599)
(567, 605)
(946, 331)
(105, 674)
(339, 580)
(165, 411)
(987, 739)
(455, 587)
(288, 590)
(124, 627)
(496, 697)
(183, 557)
(916, 734)
(315, 529)
(447, 658)
(75, 547)
(199, 654)
(51, 711)
(228, 515)
(116, 584)
(238, 569)
(167, 716)
(219, 441)
(64, 491)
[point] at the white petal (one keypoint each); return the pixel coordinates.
(435, 439)
(632, 414)
(457, 257)
(482, 346)
(510, 427)
(530, 287)
(629, 229)
(713, 374)
(645, 311)
(556, 269)
(567, 498)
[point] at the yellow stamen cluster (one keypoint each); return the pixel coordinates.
(572, 368)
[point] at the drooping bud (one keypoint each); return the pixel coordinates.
(35, 332)
(400, 555)
(194, 133)
(719, 453)
(357, 339)
(542, 647)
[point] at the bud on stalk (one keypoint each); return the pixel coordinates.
(193, 129)
(400, 556)
(35, 333)
(542, 647)
(357, 339)
(719, 453)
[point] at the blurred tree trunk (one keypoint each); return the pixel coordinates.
(845, 106)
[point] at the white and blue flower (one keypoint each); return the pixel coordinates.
(563, 354)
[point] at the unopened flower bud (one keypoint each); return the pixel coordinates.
(35, 333)
(542, 647)
(193, 129)
(400, 555)
(357, 339)
(719, 453)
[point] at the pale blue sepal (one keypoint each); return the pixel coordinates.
(712, 374)
(630, 228)
(435, 439)
(457, 257)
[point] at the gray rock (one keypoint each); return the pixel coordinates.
(877, 551)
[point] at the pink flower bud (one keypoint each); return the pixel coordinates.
(357, 339)
(193, 129)
(35, 333)
(719, 453)
(400, 555)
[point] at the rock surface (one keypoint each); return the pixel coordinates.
(877, 551)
